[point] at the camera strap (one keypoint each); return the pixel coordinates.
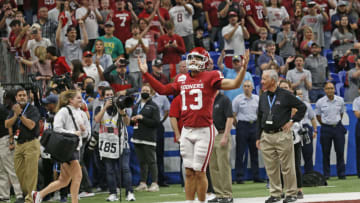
(73, 119)
(22, 113)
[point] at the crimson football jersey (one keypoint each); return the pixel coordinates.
(122, 21)
(155, 23)
(254, 9)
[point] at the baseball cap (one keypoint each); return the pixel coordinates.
(342, 3)
(232, 13)
(236, 58)
(111, 23)
(51, 99)
(87, 54)
(157, 62)
(103, 84)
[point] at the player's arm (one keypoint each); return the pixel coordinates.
(228, 84)
(174, 125)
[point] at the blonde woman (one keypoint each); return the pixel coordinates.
(70, 171)
(305, 45)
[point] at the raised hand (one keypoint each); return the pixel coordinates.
(246, 58)
(142, 65)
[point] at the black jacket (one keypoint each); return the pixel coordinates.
(147, 127)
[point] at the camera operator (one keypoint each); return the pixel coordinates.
(113, 123)
(6, 156)
(6, 16)
(24, 121)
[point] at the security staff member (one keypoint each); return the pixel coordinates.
(220, 167)
(275, 139)
(356, 109)
(245, 108)
(24, 120)
(329, 111)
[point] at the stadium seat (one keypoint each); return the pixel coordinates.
(332, 66)
(251, 68)
(257, 83)
(342, 76)
(328, 53)
(215, 56)
(339, 85)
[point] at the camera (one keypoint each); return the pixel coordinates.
(62, 82)
(122, 102)
(170, 42)
(93, 140)
(304, 133)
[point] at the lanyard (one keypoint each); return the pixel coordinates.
(272, 102)
(27, 105)
(139, 108)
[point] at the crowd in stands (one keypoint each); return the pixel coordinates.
(91, 45)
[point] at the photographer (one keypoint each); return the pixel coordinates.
(6, 16)
(113, 123)
(24, 121)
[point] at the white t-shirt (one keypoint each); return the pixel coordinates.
(93, 72)
(32, 44)
(276, 16)
(133, 64)
(236, 43)
(182, 20)
(90, 23)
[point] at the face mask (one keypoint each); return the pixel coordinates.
(145, 95)
(89, 89)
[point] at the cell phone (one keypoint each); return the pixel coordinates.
(355, 51)
(171, 41)
(62, 7)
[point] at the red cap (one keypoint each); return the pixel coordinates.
(232, 13)
(87, 53)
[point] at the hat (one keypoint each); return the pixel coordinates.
(232, 13)
(51, 99)
(311, 3)
(314, 44)
(109, 22)
(157, 62)
(103, 84)
(236, 58)
(342, 3)
(87, 54)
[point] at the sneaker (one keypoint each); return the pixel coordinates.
(210, 196)
(226, 200)
(154, 188)
(36, 197)
(4, 200)
(214, 200)
(300, 195)
(272, 199)
(112, 198)
(290, 199)
(141, 187)
(130, 197)
(86, 194)
(63, 199)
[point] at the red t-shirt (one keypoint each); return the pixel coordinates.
(122, 21)
(171, 55)
(255, 10)
(60, 66)
(211, 6)
(50, 4)
(155, 23)
(325, 4)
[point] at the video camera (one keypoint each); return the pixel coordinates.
(122, 102)
(62, 82)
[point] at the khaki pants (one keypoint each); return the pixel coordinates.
(278, 152)
(26, 159)
(220, 168)
(7, 171)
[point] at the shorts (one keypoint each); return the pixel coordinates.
(196, 145)
(75, 156)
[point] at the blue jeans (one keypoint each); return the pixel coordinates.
(112, 173)
(125, 170)
(316, 94)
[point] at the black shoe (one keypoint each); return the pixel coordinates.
(225, 200)
(215, 200)
(282, 195)
(290, 199)
(327, 177)
(300, 195)
(240, 182)
(259, 180)
(272, 199)
(342, 177)
(164, 184)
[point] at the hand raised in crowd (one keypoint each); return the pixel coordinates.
(246, 59)
(17, 109)
(81, 22)
(290, 59)
(142, 65)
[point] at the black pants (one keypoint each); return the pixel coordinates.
(210, 186)
(297, 150)
(160, 154)
(357, 140)
(146, 156)
(85, 181)
(307, 151)
(48, 174)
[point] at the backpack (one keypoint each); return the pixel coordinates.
(313, 179)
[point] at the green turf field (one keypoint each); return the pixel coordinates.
(249, 189)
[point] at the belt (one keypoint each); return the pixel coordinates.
(332, 125)
(22, 141)
(273, 131)
(248, 122)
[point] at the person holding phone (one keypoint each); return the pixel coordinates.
(354, 81)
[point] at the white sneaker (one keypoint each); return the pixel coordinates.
(130, 197)
(210, 196)
(112, 198)
(141, 187)
(86, 194)
(154, 188)
(36, 197)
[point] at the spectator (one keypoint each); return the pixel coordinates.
(182, 16)
(295, 21)
(23, 122)
(219, 164)
(329, 112)
(286, 40)
(340, 11)
(123, 18)
(136, 47)
(59, 14)
(88, 89)
(245, 108)
(198, 17)
(318, 67)
(276, 14)
(326, 5)
(234, 34)
(300, 78)
(48, 4)
(37, 40)
(105, 11)
(315, 21)
(93, 70)
(212, 20)
(308, 40)
(154, 14)
(198, 38)
(182, 67)
(356, 110)
(78, 73)
(16, 30)
(90, 16)
(71, 47)
(269, 56)
(58, 63)
(6, 16)
(226, 7)
(146, 118)
(47, 25)
(171, 46)
(347, 62)
(232, 73)
(122, 82)
(157, 72)
(258, 47)
(152, 37)
(342, 38)
(104, 59)
(113, 46)
(354, 81)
